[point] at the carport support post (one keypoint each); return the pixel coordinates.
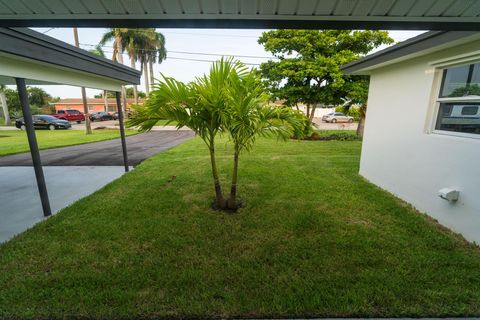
(32, 141)
(122, 130)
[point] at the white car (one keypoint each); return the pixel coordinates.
(337, 117)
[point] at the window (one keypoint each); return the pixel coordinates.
(112, 109)
(90, 108)
(469, 111)
(459, 100)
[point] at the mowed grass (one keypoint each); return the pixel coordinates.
(15, 141)
(314, 239)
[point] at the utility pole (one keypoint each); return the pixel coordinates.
(88, 128)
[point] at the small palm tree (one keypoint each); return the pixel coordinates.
(249, 116)
(229, 99)
(199, 105)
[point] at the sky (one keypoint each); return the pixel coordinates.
(184, 48)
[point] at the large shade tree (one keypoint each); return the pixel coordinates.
(307, 68)
(228, 99)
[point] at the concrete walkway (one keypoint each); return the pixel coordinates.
(20, 202)
(104, 153)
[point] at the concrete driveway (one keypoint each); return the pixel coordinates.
(71, 173)
(104, 153)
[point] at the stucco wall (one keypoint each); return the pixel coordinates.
(401, 155)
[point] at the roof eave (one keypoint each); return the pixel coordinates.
(33, 45)
(421, 45)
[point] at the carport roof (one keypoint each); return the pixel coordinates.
(420, 45)
(41, 59)
(299, 14)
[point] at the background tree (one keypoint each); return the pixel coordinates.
(356, 94)
(118, 36)
(153, 51)
(128, 91)
(144, 45)
(308, 66)
(88, 127)
(98, 50)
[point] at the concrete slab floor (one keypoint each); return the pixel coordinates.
(20, 206)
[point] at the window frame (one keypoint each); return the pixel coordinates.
(438, 99)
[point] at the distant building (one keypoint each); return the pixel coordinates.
(94, 104)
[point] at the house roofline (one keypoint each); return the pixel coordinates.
(33, 45)
(422, 44)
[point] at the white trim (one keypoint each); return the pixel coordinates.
(461, 59)
(456, 134)
(459, 99)
(435, 100)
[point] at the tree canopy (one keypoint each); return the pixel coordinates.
(129, 93)
(307, 68)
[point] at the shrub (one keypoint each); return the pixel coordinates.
(329, 135)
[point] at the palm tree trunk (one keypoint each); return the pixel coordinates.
(361, 122)
(135, 91)
(3, 101)
(145, 75)
(105, 100)
(232, 201)
(220, 200)
(152, 79)
(118, 44)
(88, 128)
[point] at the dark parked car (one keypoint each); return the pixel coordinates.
(44, 122)
(101, 116)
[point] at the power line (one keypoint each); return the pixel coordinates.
(209, 34)
(199, 60)
(209, 61)
(195, 53)
(48, 30)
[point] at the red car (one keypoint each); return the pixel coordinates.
(70, 115)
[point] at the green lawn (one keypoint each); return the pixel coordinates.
(314, 239)
(15, 141)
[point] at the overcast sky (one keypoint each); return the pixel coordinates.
(202, 44)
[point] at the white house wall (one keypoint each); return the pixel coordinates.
(399, 153)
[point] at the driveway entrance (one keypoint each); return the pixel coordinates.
(104, 153)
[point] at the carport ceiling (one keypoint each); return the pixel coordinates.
(387, 14)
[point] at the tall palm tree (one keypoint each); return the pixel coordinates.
(98, 50)
(158, 54)
(88, 127)
(3, 102)
(118, 36)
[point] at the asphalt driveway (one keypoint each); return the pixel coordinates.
(104, 153)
